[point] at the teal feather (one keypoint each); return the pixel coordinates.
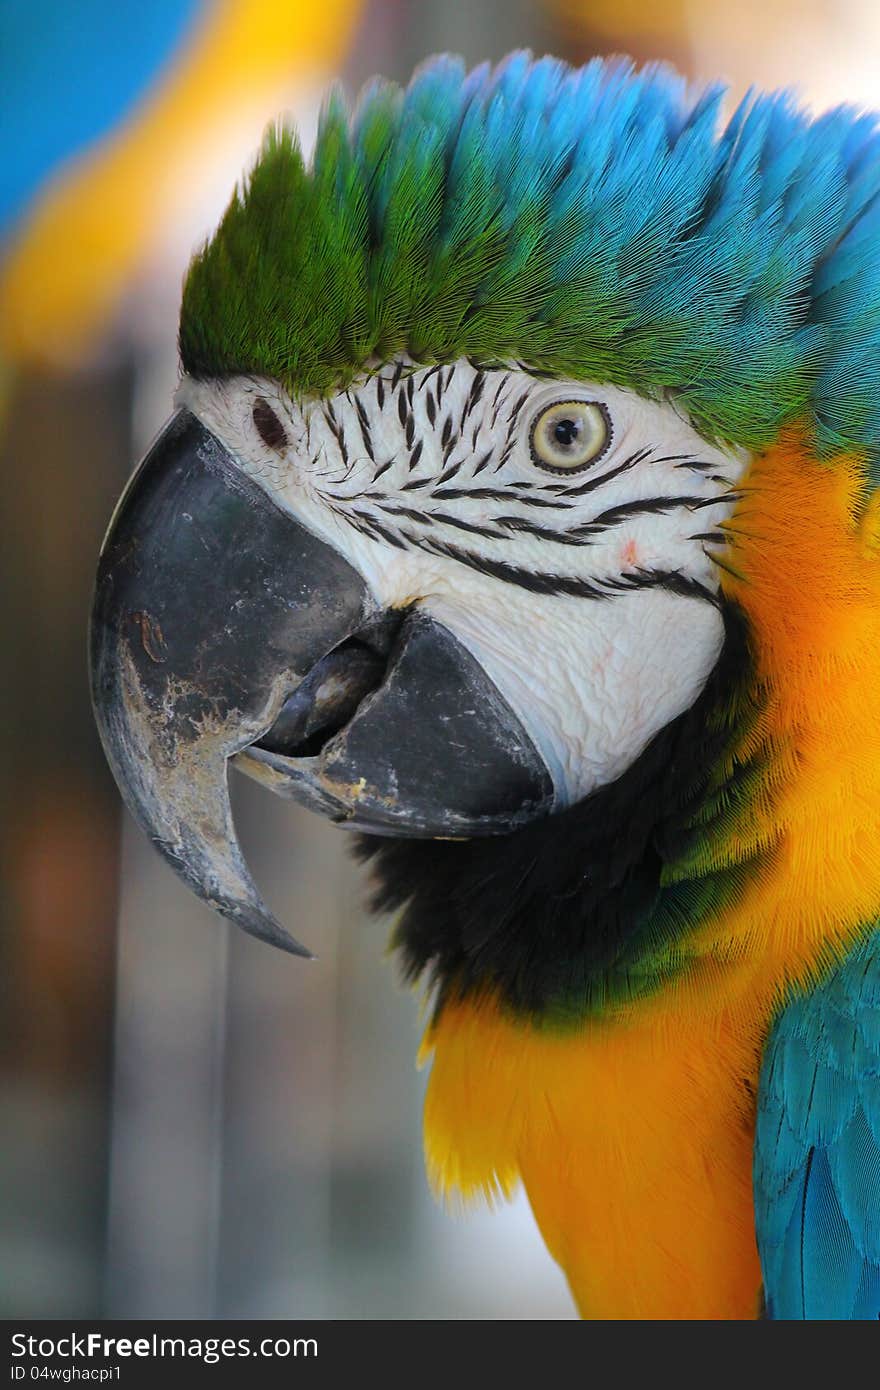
(817, 1148)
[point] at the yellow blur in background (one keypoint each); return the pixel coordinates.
(92, 228)
(193, 1125)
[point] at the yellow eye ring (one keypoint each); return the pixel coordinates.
(570, 435)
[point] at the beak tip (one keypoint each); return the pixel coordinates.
(296, 948)
(265, 927)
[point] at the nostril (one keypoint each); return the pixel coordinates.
(325, 701)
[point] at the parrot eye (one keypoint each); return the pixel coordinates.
(269, 427)
(570, 435)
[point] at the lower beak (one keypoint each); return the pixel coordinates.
(222, 628)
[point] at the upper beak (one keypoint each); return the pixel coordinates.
(220, 623)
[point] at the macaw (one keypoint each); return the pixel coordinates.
(517, 512)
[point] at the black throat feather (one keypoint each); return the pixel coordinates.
(578, 911)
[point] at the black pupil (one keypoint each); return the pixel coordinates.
(566, 431)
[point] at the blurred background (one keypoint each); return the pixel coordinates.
(194, 1125)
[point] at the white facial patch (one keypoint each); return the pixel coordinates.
(568, 534)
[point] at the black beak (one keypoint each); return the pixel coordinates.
(222, 627)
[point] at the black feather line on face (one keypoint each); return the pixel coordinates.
(673, 581)
(515, 412)
(571, 911)
(539, 374)
(483, 462)
(534, 582)
(351, 519)
(592, 484)
(541, 533)
(646, 507)
(496, 400)
(391, 537)
(409, 513)
(365, 428)
(470, 526)
(474, 395)
(694, 465)
(731, 495)
(431, 372)
(494, 494)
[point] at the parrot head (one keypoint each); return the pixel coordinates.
(437, 539)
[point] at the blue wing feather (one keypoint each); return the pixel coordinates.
(817, 1148)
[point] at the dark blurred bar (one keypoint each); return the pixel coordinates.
(65, 453)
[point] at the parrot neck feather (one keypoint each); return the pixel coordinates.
(575, 910)
(633, 1133)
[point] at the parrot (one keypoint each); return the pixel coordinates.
(518, 512)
